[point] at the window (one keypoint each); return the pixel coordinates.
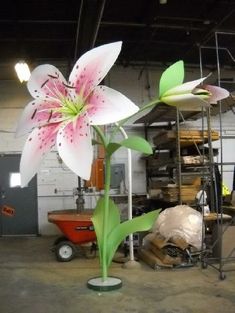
(15, 180)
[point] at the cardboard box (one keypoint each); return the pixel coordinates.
(152, 260)
(165, 258)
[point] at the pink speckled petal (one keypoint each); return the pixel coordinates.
(218, 93)
(47, 82)
(92, 67)
(75, 148)
(37, 113)
(39, 142)
(106, 105)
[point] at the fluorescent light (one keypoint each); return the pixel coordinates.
(22, 71)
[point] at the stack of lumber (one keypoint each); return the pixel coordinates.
(188, 193)
(187, 137)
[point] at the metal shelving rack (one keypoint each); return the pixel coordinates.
(217, 204)
(177, 118)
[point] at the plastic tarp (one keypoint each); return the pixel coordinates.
(180, 221)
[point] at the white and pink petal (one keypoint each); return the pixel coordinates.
(75, 147)
(38, 144)
(37, 113)
(92, 67)
(218, 93)
(106, 105)
(184, 88)
(47, 82)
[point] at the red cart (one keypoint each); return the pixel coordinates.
(77, 229)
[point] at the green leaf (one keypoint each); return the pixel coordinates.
(112, 147)
(98, 218)
(117, 235)
(138, 144)
(173, 76)
(134, 143)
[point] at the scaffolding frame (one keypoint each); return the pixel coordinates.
(217, 204)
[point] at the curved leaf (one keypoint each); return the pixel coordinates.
(98, 217)
(112, 147)
(117, 235)
(134, 143)
(138, 144)
(173, 76)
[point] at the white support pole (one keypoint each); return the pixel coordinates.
(129, 163)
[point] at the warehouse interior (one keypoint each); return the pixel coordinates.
(183, 165)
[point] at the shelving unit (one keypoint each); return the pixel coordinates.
(181, 155)
(174, 119)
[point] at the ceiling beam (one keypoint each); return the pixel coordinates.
(97, 21)
(88, 25)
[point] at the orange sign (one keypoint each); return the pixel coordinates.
(8, 211)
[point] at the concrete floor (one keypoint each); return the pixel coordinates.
(32, 281)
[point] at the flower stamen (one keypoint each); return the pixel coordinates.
(45, 82)
(68, 86)
(50, 116)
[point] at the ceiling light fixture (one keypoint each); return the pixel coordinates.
(22, 71)
(162, 1)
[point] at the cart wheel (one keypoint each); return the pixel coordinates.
(65, 251)
(59, 239)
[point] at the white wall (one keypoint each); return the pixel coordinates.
(55, 181)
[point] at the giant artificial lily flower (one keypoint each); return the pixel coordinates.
(62, 112)
(189, 96)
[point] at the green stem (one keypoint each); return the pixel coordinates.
(106, 216)
(149, 105)
(103, 254)
(101, 135)
(145, 107)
